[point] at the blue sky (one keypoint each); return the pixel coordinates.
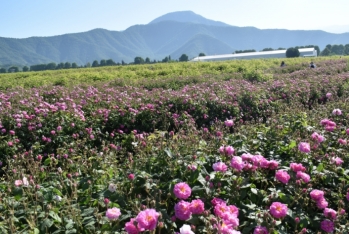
(24, 18)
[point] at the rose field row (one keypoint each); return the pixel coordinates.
(260, 151)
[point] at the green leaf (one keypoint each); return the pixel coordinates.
(169, 153)
(45, 225)
(69, 225)
(47, 162)
(292, 144)
(320, 167)
(197, 188)
(201, 179)
(55, 216)
(71, 231)
(88, 211)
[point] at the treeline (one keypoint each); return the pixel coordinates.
(280, 48)
(95, 63)
(41, 67)
(335, 50)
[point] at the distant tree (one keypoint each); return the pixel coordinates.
(202, 54)
(292, 52)
(165, 60)
(13, 69)
(138, 60)
(169, 58)
(183, 58)
(103, 63)
(337, 49)
(60, 66)
(95, 63)
(88, 64)
(244, 51)
(329, 46)
(74, 65)
(325, 52)
(25, 69)
(268, 49)
(281, 48)
(51, 66)
(67, 65)
(38, 67)
(110, 62)
(2, 70)
(147, 60)
(122, 62)
(346, 49)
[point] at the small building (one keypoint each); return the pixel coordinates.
(304, 52)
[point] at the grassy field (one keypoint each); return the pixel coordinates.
(261, 69)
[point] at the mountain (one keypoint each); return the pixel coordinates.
(188, 16)
(337, 28)
(173, 34)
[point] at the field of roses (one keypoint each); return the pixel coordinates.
(219, 153)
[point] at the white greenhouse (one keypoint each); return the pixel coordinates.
(304, 52)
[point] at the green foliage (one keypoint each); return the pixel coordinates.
(138, 60)
(244, 51)
(13, 69)
(292, 52)
(268, 49)
(183, 58)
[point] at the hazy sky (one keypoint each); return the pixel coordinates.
(24, 18)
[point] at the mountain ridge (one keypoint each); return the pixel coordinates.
(156, 40)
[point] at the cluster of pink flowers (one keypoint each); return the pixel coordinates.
(182, 190)
(336, 112)
(304, 176)
(297, 167)
(186, 229)
(184, 210)
(304, 147)
(317, 137)
(337, 160)
(220, 166)
(278, 210)
(146, 220)
(342, 141)
(252, 162)
(329, 125)
(260, 230)
(327, 226)
(113, 213)
(282, 176)
(227, 150)
(330, 213)
(229, 123)
(228, 215)
(24, 182)
(318, 196)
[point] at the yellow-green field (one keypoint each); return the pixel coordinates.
(137, 74)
